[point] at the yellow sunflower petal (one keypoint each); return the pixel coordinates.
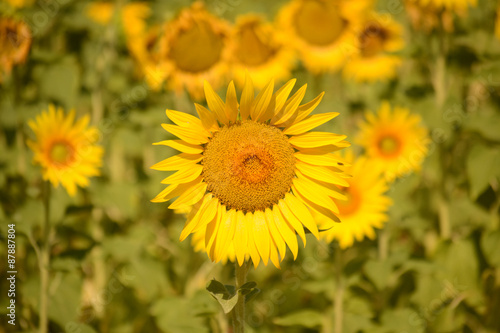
(275, 234)
(304, 110)
(195, 214)
(215, 103)
(231, 103)
(302, 213)
(310, 123)
(190, 196)
(261, 235)
(290, 107)
(184, 175)
(322, 173)
(240, 237)
(315, 139)
(286, 232)
(315, 193)
(247, 97)
(290, 218)
(262, 100)
(225, 234)
(185, 120)
(252, 248)
(283, 93)
(187, 134)
(178, 162)
(321, 159)
(273, 255)
(181, 146)
(207, 118)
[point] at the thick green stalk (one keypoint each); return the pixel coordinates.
(339, 292)
(44, 262)
(239, 310)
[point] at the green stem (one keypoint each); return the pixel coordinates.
(339, 293)
(239, 309)
(44, 261)
(383, 244)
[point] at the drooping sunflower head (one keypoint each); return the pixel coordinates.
(15, 41)
(259, 49)
(366, 206)
(252, 173)
(323, 32)
(394, 139)
(66, 151)
(379, 37)
(194, 49)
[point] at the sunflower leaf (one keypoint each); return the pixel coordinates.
(226, 298)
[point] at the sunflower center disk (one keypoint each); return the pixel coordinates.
(196, 49)
(61, 153)
(253, 48)
(372, 40)
(351, 205)
(319, 23)
(249, 166)
(389, 146)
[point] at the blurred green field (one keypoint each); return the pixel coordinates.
(117, 264)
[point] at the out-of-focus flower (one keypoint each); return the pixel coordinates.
(15, 41)
(252, 172)
(323, 32)
(454, 5)
(20, 3)
(497, 22)
(429, 14)
(380, 36)
(66, 151)
(366, 206)
(191, 49)
(395, 140)
(261, 50)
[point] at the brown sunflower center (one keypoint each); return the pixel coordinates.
(372, 40)
(353, 202)
(197, 48)
(255, 46)
(389, 145)
(319, 23)
(249, 166)
(61, 153)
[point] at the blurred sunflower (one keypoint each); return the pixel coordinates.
(15, 41)
(192, 49)
(394, 139)
(323, 32)
(66, 150)
(133, 17)
(20, 3)
(366, 206)
(261, 50)
(454, 5)
(252, 172)
(497, 22)
(380, 36)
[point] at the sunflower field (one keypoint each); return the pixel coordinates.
(250, 166)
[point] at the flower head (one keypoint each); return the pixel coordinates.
(394, 139)
(65, 150)
(366, 206)
(253, 172)
(261, 50)
(15, 41)
(323, 32)
(192, 48)
(379, 37)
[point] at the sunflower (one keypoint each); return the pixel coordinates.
(20, 3)
(380, 36)
(191, 49)
(66, 150)
(366, 206)
(394, 139)
(497, 22)
(252, 172)
(460, 6)
(323, 32)
(15, 41)
(261, 50)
